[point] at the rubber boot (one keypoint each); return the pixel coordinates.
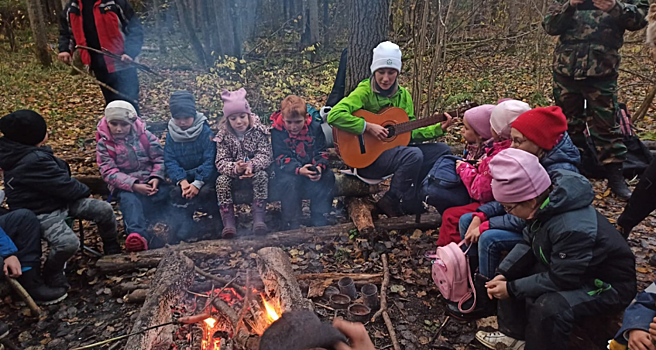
(37, 289)
(111, 246)
(616, 181)
(390, 205)
(259, 209)
(484, 306)
(228, 217)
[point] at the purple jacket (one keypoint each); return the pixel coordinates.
(255, 146)
(138, 158)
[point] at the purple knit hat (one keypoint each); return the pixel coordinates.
(479, 119)
(517, 176)
(235, 102)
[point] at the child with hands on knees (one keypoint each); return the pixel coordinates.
(189, 156)
(243, 154)
(571, 264)
(299, 149)
(131, 162)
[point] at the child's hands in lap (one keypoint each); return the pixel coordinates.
(191, 192)
(12, 267)
(305, 171)
(240, 167)
(473, 233)
(154, 182)
(497, 288)
(641, 340)
(652, 329)
(144, 189)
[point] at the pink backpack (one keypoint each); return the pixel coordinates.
(452, 276)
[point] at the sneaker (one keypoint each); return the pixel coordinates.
(135, 243)
(491, 340)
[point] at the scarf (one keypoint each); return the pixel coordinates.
(189, 135)
(385, 93)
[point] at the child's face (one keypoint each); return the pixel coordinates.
(184, 123)
(519, 141)
(239, 122)
(294, 124)
(525, 210)
(385, 77)
(119, 128)
(469, 134)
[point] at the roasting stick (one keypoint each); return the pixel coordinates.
(111, 340)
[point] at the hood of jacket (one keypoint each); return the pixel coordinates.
(279, 124)
(571, 191)
(256, 125)
(563, 156)
(138, 128)
(12, 152)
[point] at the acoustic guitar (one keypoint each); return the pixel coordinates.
(359, 151)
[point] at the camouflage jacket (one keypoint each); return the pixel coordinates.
(589, 40)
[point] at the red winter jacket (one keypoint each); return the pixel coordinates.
(119, 30)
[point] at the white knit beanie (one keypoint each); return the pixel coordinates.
(386, 55)
(120, 110)
(504, 114)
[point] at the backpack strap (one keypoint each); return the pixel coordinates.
(471, 285)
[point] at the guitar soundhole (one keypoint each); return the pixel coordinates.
(391, 131)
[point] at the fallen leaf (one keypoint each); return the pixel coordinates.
(421, 294)
(642, 270)
(397, 288)
(416, 235)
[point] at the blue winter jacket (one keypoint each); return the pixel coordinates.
(638, 315)
(7, 246)
(564, 156)
(191, 160)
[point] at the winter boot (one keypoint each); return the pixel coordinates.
(390, 205)
(42, 294)
(498, 340)
(616, 181)
(55, 278)
(259, 209)
(228, 217)
(111, 246)
(484, 306)
(413, 207)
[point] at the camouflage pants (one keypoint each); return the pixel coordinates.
(258, 183)
(601, 96)
(61, 238)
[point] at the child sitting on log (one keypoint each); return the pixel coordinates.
(131, 161)
(189, 155)
(638, 330)
(243, 154)
(476, 178)
(37, 180)
(299, 149)
(408, 164)
(490, 230)
(571, 264)
(20, 255)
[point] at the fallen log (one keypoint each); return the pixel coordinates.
(359, 210)
(174, 276)
(280, 281)
(211, 249)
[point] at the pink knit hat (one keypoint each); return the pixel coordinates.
(504, 114)
(479, 119)
(517, 176)
(235, 102)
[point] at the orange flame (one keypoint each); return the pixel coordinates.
(271, 311)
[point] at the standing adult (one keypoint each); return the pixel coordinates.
(585, 68)
(110, 25)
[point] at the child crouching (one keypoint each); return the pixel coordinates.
(299, 148)
(131, 162)
(243, 154)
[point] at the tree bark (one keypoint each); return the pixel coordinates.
(311, 23)
(226, 28)
(325, 22)
(360, 213)
(213, 249)
(39, 34)
(190, 32)
(279, 280)
(367, 28)
(157, 5)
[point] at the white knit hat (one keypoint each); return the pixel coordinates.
(120, 110)
(386, 55)
(504, 114)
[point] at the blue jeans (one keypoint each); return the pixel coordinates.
(490, 245)
(135, 207)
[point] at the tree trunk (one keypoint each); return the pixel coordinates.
(59, 8)
(367, 28)
(313, 7)
(37, 23)
(188, 29)
(326, 23)
(157, 6)
(224, 16)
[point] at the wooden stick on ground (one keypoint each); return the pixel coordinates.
(247, 301)
(34, 308)
(383, 305)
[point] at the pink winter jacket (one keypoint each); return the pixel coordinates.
(479, 180)
(138, 158)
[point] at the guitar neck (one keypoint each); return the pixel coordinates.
(419, 123)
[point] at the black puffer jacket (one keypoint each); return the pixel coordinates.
(573, 242)
(37, 180)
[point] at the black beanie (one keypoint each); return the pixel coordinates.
(24, 126)
(182, 105)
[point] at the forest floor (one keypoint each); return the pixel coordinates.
(73, 104)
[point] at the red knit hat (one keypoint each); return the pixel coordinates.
(542, 125)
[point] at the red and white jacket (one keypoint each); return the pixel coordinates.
(119, 30)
